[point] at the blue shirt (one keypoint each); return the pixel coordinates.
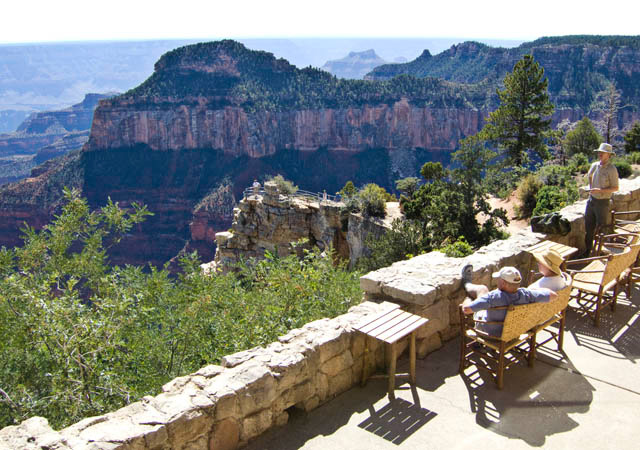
(501, 298)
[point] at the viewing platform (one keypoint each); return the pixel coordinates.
(586, 397)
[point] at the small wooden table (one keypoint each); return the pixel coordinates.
(389, 327)
(564, 250)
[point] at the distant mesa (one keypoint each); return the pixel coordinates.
(355, 65)
(46, 135)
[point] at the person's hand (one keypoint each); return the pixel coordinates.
(465, 307)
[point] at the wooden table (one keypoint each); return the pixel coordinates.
(389, 327)
(564, 250)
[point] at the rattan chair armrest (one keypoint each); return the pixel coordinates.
(585, 260)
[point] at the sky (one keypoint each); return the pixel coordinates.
(82, 20)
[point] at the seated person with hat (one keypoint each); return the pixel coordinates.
(508, 293)
(553, 277)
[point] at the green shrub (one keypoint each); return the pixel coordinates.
(457, 249)
(408, 186)
(526, 194)
(80, 338)
(624, 168)
(373, 200)
(579, 163)
(633, 158)
(405, 239)
(284, 186)
(550, 199)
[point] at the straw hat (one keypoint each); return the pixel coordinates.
(551, 259)
(605, 148)
(508, 274)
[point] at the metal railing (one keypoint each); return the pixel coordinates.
(300, 193)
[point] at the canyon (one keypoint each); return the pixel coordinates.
(213, 117)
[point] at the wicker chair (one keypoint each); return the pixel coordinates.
(518, 339)
(598, 283)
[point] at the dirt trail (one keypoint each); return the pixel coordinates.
(509, 206)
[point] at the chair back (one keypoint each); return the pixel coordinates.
(522, 318)
(618, 263)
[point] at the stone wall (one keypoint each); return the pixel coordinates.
(223, 407)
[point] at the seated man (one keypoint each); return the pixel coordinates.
(508, 293)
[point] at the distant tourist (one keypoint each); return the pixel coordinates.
(256, 187)
(603, 182)
(508, 293)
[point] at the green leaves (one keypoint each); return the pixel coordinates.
(80, 337)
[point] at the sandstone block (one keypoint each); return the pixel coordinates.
(225, 435)
(256, 424)
(259, 389)
(337, 364)
(428, 345)
(188, 427)
(340, 382)
(311, 403)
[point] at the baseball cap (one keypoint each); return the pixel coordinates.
(508, 274)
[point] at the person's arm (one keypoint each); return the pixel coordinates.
(470, 306)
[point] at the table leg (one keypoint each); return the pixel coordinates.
(392, 370)
(412, 358)
(365, 352)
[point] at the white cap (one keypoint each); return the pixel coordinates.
(508, 274)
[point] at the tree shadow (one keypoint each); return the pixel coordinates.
(535, 402)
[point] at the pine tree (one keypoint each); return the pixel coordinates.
(522, 121)
(582, 139)
(632, 139)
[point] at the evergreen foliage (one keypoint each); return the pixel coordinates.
(284, 186)
(549, 189)
(80, 337)
(257, 81)
(522, 121)
(373, 201)
(582, 139)
(632, 139)
(450, 203)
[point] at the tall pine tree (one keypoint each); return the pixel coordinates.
(522, 121)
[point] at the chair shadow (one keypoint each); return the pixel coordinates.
(617, 336)
(535, 402)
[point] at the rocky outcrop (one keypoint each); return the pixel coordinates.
(46, 135)
(281, 224)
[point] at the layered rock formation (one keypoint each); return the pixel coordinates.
(46, 135)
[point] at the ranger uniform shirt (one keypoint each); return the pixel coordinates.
(602, 177)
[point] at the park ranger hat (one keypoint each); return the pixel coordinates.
(508, 274)
(605, 148)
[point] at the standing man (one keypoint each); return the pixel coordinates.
(603, 181)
